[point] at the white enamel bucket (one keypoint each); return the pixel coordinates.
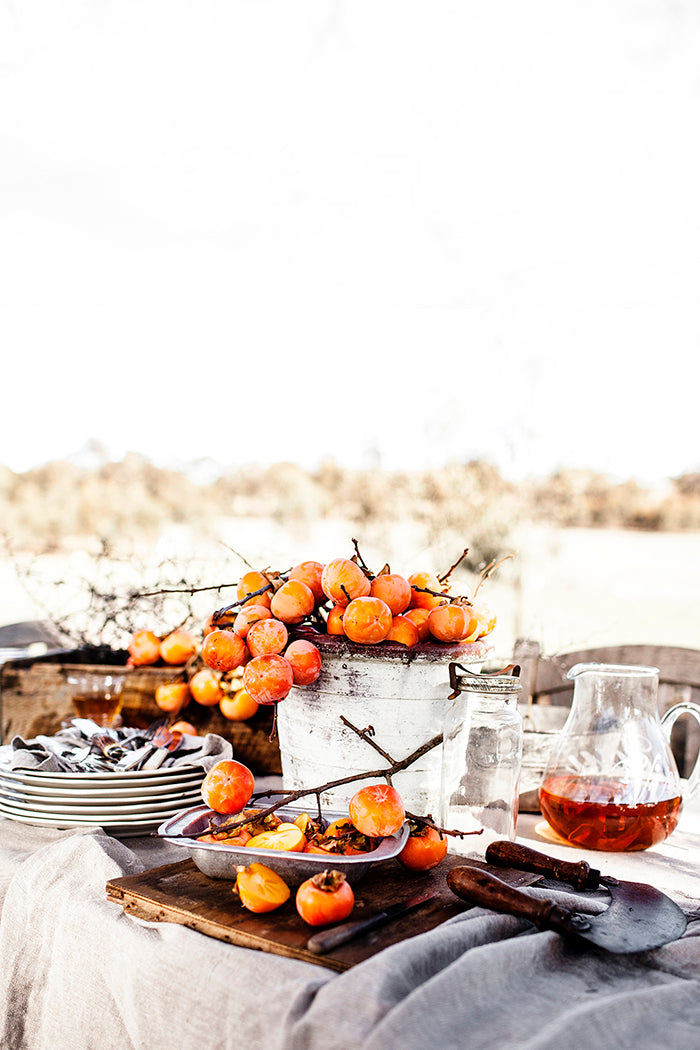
(403, 694)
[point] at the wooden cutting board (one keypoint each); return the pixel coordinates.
(181, 893)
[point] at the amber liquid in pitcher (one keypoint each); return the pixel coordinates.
(584, 813)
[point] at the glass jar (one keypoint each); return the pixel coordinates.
(481, 756)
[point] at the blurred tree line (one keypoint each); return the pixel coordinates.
(62, 502)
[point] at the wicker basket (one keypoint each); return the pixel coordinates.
(35, 699)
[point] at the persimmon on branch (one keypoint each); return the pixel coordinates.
(287, 797)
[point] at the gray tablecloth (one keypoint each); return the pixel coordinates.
(76, 971)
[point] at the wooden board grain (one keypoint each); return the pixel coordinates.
(181, 893)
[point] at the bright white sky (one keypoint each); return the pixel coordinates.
(258, 231)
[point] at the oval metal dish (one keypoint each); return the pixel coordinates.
(219, 861)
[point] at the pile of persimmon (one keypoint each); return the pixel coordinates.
(340, 597)
(253, 651)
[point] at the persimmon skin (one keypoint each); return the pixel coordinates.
(224, 650)
(250, 583)
(419, 617)
(181, 726)
(367, 620)
(228, 786)
(292, 602)
(205, 687)
(342, 580)
(404, 631)
(267, 636)
(172, 696)
(325, 898)
(178, 647)
(306, 661)
(424, 849)
(421, 583)
(144, 648)
(268, 679)
(334, 620)
(239, 707)
(393, 589)
(310, 573)
(260, 889)
(486, 618)
(377, 810)
(449, 623)
(247, 616)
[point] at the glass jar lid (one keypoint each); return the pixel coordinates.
(505, 681)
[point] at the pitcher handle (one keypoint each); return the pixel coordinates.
(667, 721)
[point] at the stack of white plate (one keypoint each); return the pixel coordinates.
(129, 803)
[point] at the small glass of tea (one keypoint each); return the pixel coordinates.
(97, 694)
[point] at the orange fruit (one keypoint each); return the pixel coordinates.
(259, 888)
(144, 648)
(228, 786)
(179, 647)
(367, 620)
(377, 810)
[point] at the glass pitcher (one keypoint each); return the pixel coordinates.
(611, 782)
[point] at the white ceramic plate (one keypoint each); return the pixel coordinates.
(101, 809)
(102, 818)
(89, 781)
(119, 829)
(21, 789)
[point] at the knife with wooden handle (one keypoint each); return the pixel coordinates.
(326, 940)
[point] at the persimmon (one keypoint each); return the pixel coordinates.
(393, 589)
(324, 898)
(259, 888)
(249, 615)
(334, 620)
(268, 678)
(377, 810)
(306, 661)
(219, 620)
(486, 618)
(144, 648)
(267, 636)
(206, 688)
(350, 840)
(178, 647)
(292, 602)
(172, 696)
(239, 707)
(426, 590)
(181, 726)
(250, 584)
(449, 623)
(224, 650)
(403, 630)
(425, 848)
(240, 837)
(342, 580)
(367, 620)
(228, 786)
(310, 573)
(287, 837)
(419, 617)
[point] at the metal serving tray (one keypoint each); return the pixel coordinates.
(219, 861)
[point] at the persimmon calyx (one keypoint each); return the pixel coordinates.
(329, 881)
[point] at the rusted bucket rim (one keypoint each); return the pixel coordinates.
(338, 645)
